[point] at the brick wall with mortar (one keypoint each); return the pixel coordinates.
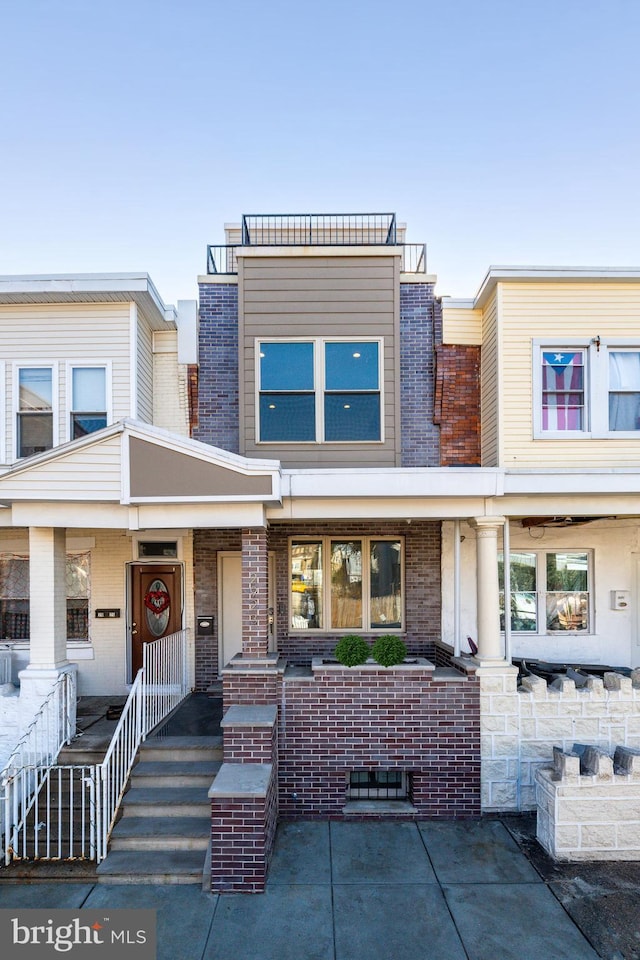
(422, 587)
(242, 836)
(522, 725)
(255, 592)
(420, 323)
(206, 546)
(342, 719)
(217, 421)
(422, 584)
(457, 404)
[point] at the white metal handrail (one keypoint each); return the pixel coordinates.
(160, 685)
(5, 664)
(34, 755)
(54, 829)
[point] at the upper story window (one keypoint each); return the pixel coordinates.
(35, 420)
(319, 390)
(550, 591)
(88, 400)
(586, 389)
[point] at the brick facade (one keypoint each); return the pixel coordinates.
(346, 719)
(422, 587)
(420, 321)
(457, 404)
(206, 546)
(218, 411)
(217, 421)
(255, 592)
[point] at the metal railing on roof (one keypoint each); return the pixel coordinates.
(318, 229)
(223, 259)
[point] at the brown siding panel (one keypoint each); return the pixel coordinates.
(340, 296)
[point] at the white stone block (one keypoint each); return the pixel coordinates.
(595, 836)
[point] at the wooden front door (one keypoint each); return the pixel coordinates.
(156, 606)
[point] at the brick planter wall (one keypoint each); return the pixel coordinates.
(342, 719)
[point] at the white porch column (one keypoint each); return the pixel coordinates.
(490, 647)
(48, 598)
(47, 633)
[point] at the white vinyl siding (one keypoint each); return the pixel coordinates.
(90, 473)
(145, 371)
(63, 334)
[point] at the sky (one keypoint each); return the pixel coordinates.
(501, 132)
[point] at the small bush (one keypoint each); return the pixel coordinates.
(352, 650)
(389, 649)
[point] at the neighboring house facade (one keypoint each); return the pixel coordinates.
(94, 368)
(560, 399)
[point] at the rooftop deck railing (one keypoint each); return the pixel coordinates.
(318, 229)
(223, 259)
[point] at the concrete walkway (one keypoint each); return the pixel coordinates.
(350, 891)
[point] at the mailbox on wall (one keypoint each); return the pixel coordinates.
(205, 626)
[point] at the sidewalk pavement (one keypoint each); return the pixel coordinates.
(460, 890)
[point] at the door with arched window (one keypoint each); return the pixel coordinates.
(156, 606)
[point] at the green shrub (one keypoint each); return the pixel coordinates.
(352, 650)
(389, 649)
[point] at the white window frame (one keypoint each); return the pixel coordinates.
(541, 593)
(596, 386)
(23, 555)
(366, 541)
(319, 390)
(105, 365)
(55, 399)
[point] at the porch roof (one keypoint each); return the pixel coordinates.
(132, 475)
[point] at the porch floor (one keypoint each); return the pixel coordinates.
(198, 716)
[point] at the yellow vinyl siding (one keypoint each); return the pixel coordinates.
(61, 333)
(461, 325)
(489, 385)
(579, 310)
(341, 296)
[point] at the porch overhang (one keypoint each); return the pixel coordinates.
(134, 476)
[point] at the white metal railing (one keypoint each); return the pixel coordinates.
(28, 766)
(5, 664)
(160, 685)
(74, 808)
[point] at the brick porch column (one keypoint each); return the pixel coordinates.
(255, 594)
(490, 645)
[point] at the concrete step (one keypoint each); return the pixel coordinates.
(175, 773)
(161, 833)
(152, 866)
(172, 749)
(166, 802)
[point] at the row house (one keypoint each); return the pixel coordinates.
(328, 449)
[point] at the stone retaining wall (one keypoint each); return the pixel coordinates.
(521, 726)
(589, 805)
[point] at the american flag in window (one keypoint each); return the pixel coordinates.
(563, 390)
